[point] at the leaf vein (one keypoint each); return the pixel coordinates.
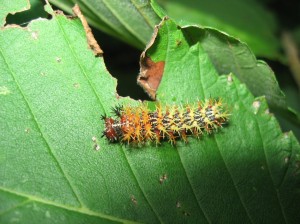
(102, 19)
(52, 154)
(238, 193)
(136, 180)
(269, 171)
(15, 207)
(126, 26)
(82, 210)
(193, 190)
(141, 13)
(267, 162)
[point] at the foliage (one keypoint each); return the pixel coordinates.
(53, 93)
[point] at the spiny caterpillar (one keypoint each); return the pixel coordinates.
(139, 124)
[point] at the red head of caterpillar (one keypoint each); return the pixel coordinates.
(139, 125)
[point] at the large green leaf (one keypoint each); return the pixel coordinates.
(246, 20)
(250, 159)
(52, 95)
(231, 55)
(131, 21)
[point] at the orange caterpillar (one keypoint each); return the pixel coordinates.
(139, 125)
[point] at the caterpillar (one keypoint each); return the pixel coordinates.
(139, 124)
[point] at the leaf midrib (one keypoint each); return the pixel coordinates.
(262, 142)
(125, 25)
(82, 210)
(266, 160)
(52, 154)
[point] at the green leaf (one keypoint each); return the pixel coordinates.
(231, 58)
(230, 55)
(52, 95)
(7, 7)
(251, 160)
(131, 21)
(246, 20)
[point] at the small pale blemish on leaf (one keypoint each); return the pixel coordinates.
(185, 213)
(178, 206)
(262, 167)
(96, 144)
(43, 74)
(267, 111)
(35, 207)
(286, 135)
(97, 147)
(229, 79)
(133, 199)
(34, 35)
(163, 178)
(256, 105)
(58, 59)
(27, 130)
(4, 90)
(76, 85)
(94, 139)
(47, 214)
(286, 159)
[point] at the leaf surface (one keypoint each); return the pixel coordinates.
(52, 96)
(131, 21)
(234, 56)
(228, 54)
(250, 159)
(246, 20)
